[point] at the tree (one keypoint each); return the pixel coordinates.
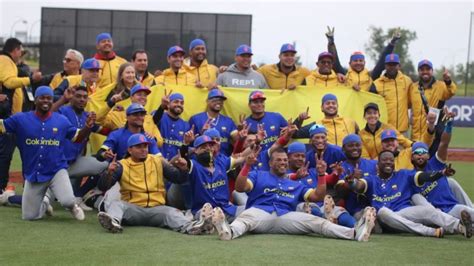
(379, 39)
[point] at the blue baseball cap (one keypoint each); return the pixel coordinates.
(243, 49)
(392, 58)
(136, 139)
(317, 129)
(135, 108)
(425, 62)
(44, 90)
(388, 134)
(351, 138)
(216, 93)
(325, 54)
(103, 36)
(296, 147)
(196, 42)
(90, 63)
(212, 133)
(139, 87)
(202, 140)
(419, 147)
(328, 97)
(256, 95)
(175, 49)
(287, 47)
(357, 55)
(176, 96)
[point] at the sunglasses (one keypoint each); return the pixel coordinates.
(67, 60)
(420, 151)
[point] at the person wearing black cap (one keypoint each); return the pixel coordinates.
(358, 76)
(429, 93)
(324, 76)
(370, 134)
(285, 75)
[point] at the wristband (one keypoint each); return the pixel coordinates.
(449, 127)
(321, 180)
(245, 170)
(293, 176)
(282, 141)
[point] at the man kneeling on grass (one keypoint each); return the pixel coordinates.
(271, 206)
(142, 188)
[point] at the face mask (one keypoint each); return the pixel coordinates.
(205, 159)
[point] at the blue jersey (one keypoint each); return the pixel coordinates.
(356, 202)
(73, 150)
(40, 143)
(211, 187)
(222, 123)
(311, 181)
(393, 193)
(332, 154)
(275, 194)
(438, 193)
(272, 124)
(172, 130)
(117, 141)
(263, 160)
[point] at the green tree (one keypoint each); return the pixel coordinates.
(379, 39)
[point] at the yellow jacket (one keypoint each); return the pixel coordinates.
(372, 143)
(109, 70)
(278, 80)
(362, 79)
(403, 160)
(147, 80)
(169, 77)
(206, 73)
(76, 80)
(436, 93)
(338, 128)
(395, 93)
(57, 79)
(327, 81)
(9, 80)
(142, 183)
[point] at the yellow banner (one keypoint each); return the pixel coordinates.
(289, 103)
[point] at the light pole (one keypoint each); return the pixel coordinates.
(16, 22)
(30, 33)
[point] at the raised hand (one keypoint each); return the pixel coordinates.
(179, 162)
(189, 136)
(243, 133)
(446, 75)
(91, 118)
(69, 93)
(337, 168)
(261, 134)
(304, 115)
(206, 125)
(330, 34)
(357, 172)
(165, 100)
(302, 171)
(113, 164)
(449, 171)
(252, 158)
(116, 97)
(241, 122)
(397, 34)
(321, 165)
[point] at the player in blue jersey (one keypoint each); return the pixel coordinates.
(272, 122)
(40, 136)
(212, 118)
(357, 167)
(272, 203)
(172, 126)
(330, 153)
(438, 193)
(391, 193)
(298, 171)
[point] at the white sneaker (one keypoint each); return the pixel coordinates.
(364, 229)
(329, 209)
(220, 223)
(109, 223)
(5, 195)
(77, 213)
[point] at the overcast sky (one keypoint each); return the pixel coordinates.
(442, 27)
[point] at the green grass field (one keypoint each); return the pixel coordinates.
(62, 240)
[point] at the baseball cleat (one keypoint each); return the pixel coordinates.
(329, 209)
(77, 213)
(49, 210)
(203, 221)
(5, 195)
(109, 223)
(365, 228)
(466, 223)
(439, 232)
(220, 223)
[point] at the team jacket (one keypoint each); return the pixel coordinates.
(147, 79)
(362, 79)
(395, 93)
(338, 128)
(168, 77)
(108, 69)
(205, 73)
(9, 82)
(278, 80)
(319, 80)
(372, 143)
(57, 79)
(71, 81)
(436, 95)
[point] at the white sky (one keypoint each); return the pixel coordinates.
(442, 27)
